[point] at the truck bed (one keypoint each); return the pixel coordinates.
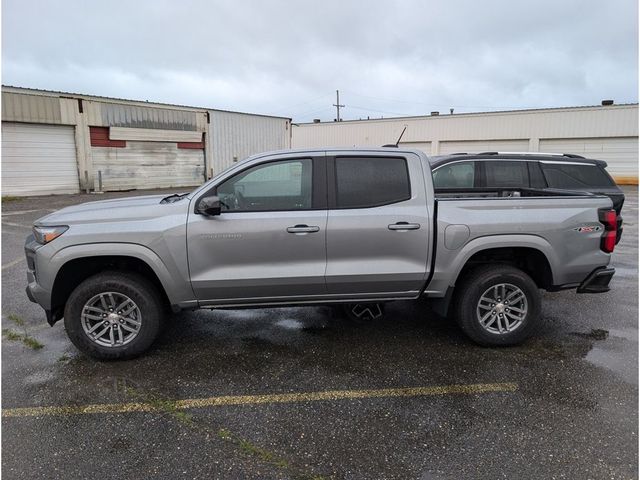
(564, 227)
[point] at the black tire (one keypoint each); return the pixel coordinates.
(364, 313)
(139, 290)
(466, 307)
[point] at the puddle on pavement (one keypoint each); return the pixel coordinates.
(290, 324)
(617, 352)
(39, 378)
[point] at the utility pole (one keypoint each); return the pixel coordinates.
(337, 105)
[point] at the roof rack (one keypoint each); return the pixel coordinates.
(545, 154)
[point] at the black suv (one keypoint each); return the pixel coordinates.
(494, 173)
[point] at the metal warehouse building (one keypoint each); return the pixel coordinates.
(607, 132)
(55, 142)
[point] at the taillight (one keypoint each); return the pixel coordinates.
(609, 219)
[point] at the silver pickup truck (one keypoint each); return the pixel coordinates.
(355, 227)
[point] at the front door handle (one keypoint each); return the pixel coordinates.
(404, 226)
(303, 229)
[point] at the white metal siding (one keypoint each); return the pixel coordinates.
(607, 132)
(580, 122)
(38, 159)
(424, 146)
(147, 165)
(236, 136)
(621, 154)
(369, 133)
(485, 146)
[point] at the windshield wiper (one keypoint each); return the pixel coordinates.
(173, 197)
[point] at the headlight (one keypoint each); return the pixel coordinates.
(45, 235)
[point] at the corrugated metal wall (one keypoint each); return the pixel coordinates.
(118, 115)
(235, 136)
(31, 108)
(151, 157)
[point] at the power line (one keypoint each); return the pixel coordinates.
(285, 109)
(379, 111)
(309, 112)
(414, 102)
(306, 103)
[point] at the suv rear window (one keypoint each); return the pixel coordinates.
(505, 174)
(564, 175)
(455, 175)
(363, 182)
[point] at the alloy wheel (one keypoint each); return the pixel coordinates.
(502, 308)
(111, 319)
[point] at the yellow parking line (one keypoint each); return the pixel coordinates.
(262, 399)
(20, 225)
(12, 263)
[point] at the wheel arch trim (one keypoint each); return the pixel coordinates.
(176, 293)
(479, 244)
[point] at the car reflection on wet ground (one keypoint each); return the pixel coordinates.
(302, 393)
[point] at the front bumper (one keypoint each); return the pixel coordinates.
(597, 281)
(35, 292)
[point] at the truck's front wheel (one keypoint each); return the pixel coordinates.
(497, 305)
(113, 315)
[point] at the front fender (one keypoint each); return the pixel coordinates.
(177, 288)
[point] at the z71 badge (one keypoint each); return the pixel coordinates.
(588, 229)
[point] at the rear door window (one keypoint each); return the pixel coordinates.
(455, 175)
(363, 182)
(578, 176)
(498, 174)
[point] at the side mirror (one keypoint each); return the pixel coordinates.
(209, 206)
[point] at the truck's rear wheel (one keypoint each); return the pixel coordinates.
(113, 315)
(497, 305)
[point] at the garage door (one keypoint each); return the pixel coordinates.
(468, 146)
(424, 146)
(142, 165)
(620, 153)
(38, 159)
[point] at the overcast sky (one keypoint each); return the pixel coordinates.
(288, 57)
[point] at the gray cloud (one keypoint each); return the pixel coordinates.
(287, 58)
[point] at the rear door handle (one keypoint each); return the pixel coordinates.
(303, 229)
(404, 226)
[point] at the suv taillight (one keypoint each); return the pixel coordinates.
(609, 219)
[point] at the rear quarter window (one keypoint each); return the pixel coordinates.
(562, 175)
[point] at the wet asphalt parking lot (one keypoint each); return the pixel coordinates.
(299, 393)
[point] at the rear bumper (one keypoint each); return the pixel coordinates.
(597, 281)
